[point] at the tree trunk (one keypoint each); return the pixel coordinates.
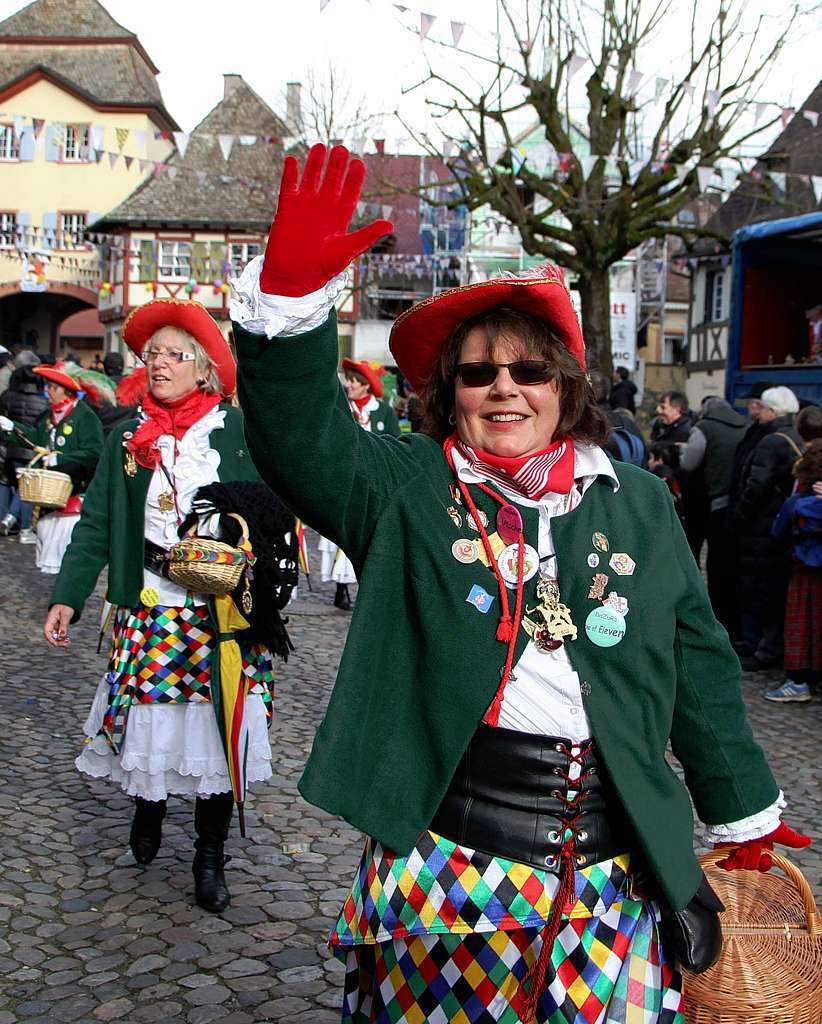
(595, 295)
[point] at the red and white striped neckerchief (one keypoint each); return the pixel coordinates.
(63, 408)
(532, 476)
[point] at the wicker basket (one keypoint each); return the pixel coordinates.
(47, 488)
(770, 970)
(208, 566)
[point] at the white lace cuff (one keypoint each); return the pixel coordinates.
(753, 827)
(280, 316)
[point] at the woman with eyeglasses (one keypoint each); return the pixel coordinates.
(152, 729)
(530, 632)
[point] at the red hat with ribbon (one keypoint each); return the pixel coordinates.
(57, 375)
(191, 317)
(371, 374)
(419, 334)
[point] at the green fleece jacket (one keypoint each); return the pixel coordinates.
(421, 663)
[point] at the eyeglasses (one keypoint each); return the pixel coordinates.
(149, 355)
(523, 371)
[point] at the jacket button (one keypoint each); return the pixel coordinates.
(584, 688)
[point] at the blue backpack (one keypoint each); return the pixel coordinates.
(631, 446)
(807, 530)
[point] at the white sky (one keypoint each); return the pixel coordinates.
(271, 42)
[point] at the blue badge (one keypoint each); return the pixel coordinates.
(480, 598)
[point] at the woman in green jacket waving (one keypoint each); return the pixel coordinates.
(531, 631)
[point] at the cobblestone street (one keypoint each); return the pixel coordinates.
(86, 935)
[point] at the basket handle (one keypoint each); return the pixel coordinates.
(243, 527)
(794, 874)
(35, 458)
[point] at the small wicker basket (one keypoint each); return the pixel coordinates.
(770, 970)
(47, 488)
(208, 566)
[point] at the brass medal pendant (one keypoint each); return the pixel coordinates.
(131, 464)
(247, 602)
(554, 624)
(166, 501)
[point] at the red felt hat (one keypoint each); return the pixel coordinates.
(418, 334)
(365, 369)
(194, 319)
(57, 376)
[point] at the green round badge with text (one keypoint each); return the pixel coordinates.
(605, 627)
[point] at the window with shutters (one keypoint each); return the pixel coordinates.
(71, 229)
(174, 261)
(241, 253)
(714, 309)
(8, 222)
(75, 142)
(9, 146)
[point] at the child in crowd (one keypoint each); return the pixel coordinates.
(800, 520)
(659, 463)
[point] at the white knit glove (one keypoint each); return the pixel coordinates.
(6, 423)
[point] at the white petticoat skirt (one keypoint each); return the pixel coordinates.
(172, 748)
(53, 537)
(334, 566)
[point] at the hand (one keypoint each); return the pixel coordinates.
(817, 488)
(308, 243)
(753, 855)
(6, 423)
(56, 626)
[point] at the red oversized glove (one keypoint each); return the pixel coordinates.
(754, 855)
(308, 243)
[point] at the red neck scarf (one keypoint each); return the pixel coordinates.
(361, 403)
(167, 418)
(63, 408)
(532, 476)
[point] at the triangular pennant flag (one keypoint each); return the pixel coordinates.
(98, 136)
(659, 89)
(122, 137)
(689, 89)
(495, 154)
(248, 140)
(816, 184)
(129, 161)
(786, 115)
(780, 179)
(682, 171)
(712, 100)
(634, 79)
(386, 212)
(226, 143)
(358, 146)
(323, 5)
(172, 171)
(812, 116)
(574, 64)
(704, 175)
(379, 145)
(38, 122)
(588, 163)
(361, 206)
(457, 28)
(400, 8)
(98, 156)
(201, 176)
(729, 177)
(112, 159)
(426, 24)
(759, 110)
(144, 165)
(19, 124)
(181, 140)
(158, 169)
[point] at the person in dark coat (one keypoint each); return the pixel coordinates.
(24, 402)
(623, 393)
(711, 446)
(672, 427)
(618, 418)
(764, 568)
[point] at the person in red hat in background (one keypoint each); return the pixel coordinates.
(68, 438)
(152, 728)
(365, 393)
(531, 631)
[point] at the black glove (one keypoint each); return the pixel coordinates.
(693, 936)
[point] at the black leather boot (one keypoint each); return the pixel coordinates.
(342, 599)
(212, 818)
(146, 829)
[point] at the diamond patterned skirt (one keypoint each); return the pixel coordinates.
(605, 970)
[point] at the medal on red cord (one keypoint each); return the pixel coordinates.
(554, 624)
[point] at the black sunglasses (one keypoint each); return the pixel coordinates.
(523, 371)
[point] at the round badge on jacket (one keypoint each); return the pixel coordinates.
(605, 627)
(68, 428)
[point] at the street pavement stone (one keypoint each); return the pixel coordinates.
(87, 935)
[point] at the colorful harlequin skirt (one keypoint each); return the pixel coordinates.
(152, 727)
(605, 970)
(447, 933)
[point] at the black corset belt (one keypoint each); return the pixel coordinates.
(155, 559)
(512, 796)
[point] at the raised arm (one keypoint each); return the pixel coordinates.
(299, 428)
